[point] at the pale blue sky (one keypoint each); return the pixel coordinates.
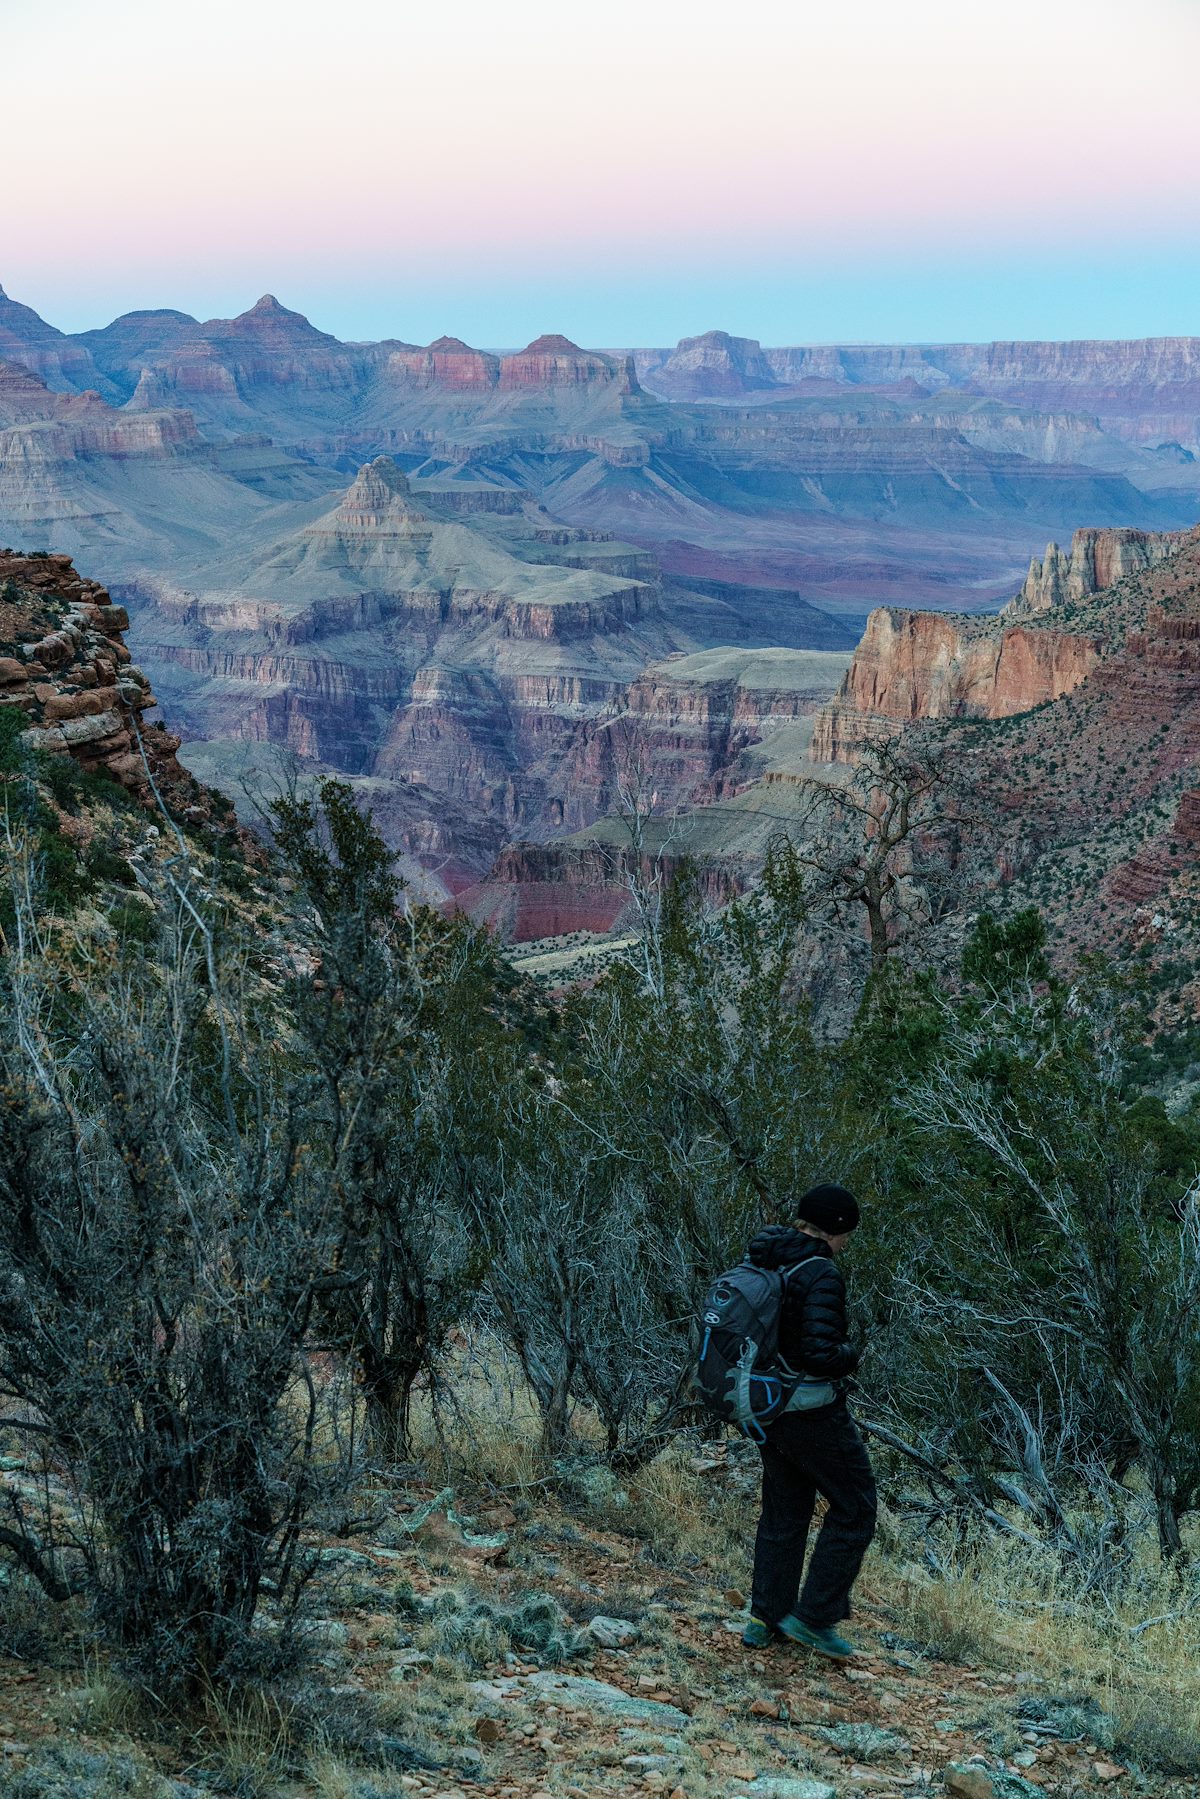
(785, 169)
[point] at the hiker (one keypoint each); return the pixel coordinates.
(813, 1450)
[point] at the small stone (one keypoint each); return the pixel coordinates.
(647, 1683)
(1107, 1771)
(735, 1599)
(488, 1730)
(612, 1633)
(786, 1786)
(970, 1783)
(407, 1662)
(764, 1708)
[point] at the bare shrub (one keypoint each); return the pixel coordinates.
(164, 1235)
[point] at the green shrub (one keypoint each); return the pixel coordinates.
(104, 864)
(12, 754)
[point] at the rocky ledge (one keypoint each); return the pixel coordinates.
(64, 665)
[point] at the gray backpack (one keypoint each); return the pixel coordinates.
(740, 1374)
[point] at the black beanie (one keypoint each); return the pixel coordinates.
(830, 1208)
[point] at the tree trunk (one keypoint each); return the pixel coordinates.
(389, 1391)
(556, 1407)
(1166, 1510)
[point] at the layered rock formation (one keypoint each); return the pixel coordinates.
(483, 672)
(267, 346)
(28, 341)
(1096, 561)
(852, 475)
(67, 671)
(554, 361)
(1144, 390)
(714, 366)
(928, 665)
(549, 890)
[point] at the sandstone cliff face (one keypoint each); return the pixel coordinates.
(65, 667)
(555, 361)
(1143, 390)
(1097, 560)
(919, 665)
(713, 366)
(266, 347)
(447, 363)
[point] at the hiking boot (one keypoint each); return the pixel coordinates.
(825, 1641)
(757, 1634)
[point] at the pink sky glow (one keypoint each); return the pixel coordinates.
(389, 163)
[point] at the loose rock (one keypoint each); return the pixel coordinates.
(612, 1633)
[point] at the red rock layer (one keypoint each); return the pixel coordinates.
(915, 665)
(552, 889)
(556, 362)
(448, 363)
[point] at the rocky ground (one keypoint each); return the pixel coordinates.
(512, 1645)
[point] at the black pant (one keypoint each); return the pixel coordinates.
(807, 1453)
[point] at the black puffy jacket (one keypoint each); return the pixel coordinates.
(812, 1328)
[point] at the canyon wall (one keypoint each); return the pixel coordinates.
(1143, 390)
(1096, 560)
(931, 665)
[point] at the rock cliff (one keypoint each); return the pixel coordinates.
(1144, 390)
(931, 665)
(1097, 560)
(64, 665)
(64, 364)
(554, 361)
(713, 366)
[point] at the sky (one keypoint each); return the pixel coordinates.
(626, 174)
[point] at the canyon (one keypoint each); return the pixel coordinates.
(481, 675)
(483, 584)
(1143, 390)
(1070, 740)
(851, 475)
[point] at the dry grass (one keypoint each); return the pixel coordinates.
(247, 1743)
(1020, 1610)
(104, 1706)
(482, 1425)
(686, 1518)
